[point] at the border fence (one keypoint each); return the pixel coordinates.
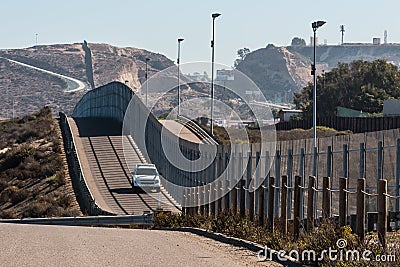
(354, 179)
(85, 199)
(354, 124)
(246, 180)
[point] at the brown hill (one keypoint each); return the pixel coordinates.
(280, 71)
(25, 90)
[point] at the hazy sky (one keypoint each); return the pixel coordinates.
(156, 25)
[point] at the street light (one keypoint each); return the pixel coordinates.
(315, 25)
(179, 77)
(146, 76)
(214, 16)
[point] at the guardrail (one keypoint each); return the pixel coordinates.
(85, 199)
(144, 219)
(198, 130)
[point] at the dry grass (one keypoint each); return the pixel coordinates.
(33, 180)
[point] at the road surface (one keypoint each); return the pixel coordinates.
(180, 130)
(99, 144)
(78, 85)
(38, 245)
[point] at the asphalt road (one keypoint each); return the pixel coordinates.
(38, 245)
(104, 162)
(77, 84)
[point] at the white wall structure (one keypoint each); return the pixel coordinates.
(391, 107)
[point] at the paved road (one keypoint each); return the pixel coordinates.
(100, 149)
(76, 85)
(180, 130)
(34, 245)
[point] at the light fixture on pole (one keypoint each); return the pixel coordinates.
(179, 77)
(146, 76)
(315, 25)
(214, 16)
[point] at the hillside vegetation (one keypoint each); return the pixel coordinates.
(34, 179)
(360, 85)
(26, 90)
(281, 71)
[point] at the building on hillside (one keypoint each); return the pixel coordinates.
(376, 41)
(391, 107)
(286, 114)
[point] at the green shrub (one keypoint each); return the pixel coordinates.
(52, 180)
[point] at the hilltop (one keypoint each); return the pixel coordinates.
(280, 71)
(25, 90)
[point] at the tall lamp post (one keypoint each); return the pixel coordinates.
(179, 77)
(146, 76)
(315, 25)
(214, 16)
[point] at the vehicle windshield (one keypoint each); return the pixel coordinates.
(146, 171)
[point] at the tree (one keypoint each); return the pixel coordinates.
(241, 53)
(296, 41)
(360, 85)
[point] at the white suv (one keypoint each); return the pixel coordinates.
(146, 176)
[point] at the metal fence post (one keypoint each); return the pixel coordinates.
(260, 211)
(277, 174)
(289, 183)
(242, 186)
(250, 191)
(271, 198)
(380, 160)
(219, 183)
(362, 160)
(227, 188)
(315, 162)
(235, 184)
(242, 204)
(345, 161)
(329, 162)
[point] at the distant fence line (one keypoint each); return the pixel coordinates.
(354, 124)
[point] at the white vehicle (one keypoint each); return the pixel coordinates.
(146, 176)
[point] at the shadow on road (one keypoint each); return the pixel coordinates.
(90, 127)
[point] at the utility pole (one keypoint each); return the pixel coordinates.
(36, 38)
(179, 77)
(342, 31)
(315, 25)
(147, 84)
(214, 16)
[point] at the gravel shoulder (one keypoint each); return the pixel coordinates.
(36, 245)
